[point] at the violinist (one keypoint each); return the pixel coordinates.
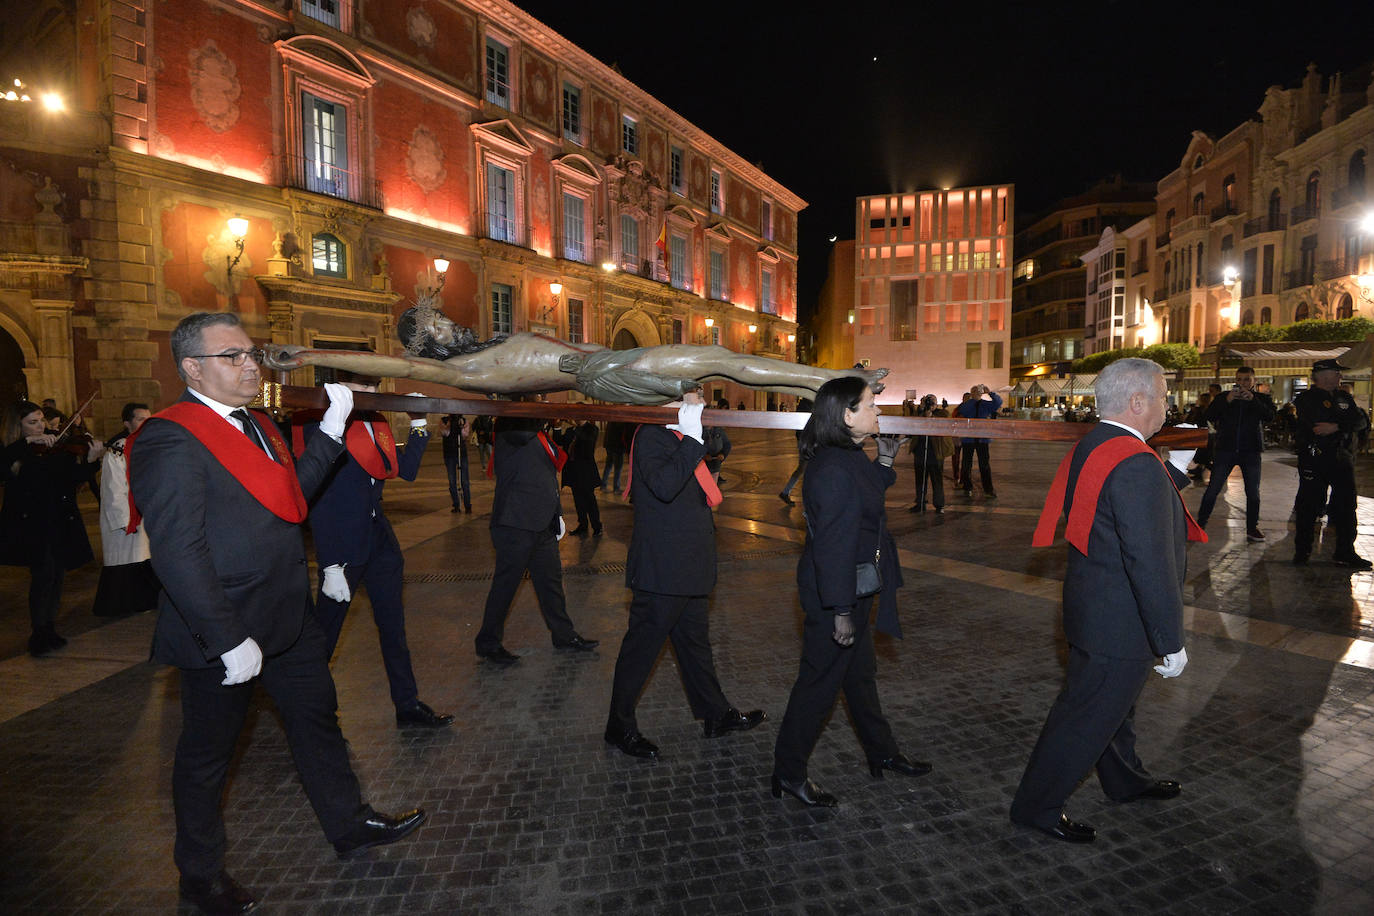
(127, 581)
(40, 526)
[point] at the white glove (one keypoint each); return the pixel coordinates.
(416, 422)
(1182, 457)
(562, 528)
(340, 406)
(689, 421)
(334, 585)
(1173, 664)
(241, 663)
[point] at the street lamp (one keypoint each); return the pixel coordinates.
(548, 311)
(1230, 276)
(441, 269)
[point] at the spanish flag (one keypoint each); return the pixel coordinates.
(661, 243)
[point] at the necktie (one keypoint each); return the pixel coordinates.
(249, 429)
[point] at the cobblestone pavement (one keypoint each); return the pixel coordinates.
(1269, 730)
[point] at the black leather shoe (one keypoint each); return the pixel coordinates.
(1067, 830)
(420, 714)
(454, 509)
(1300, 558)
(378, 830)
(734, 721)
(806, 792)
(578, 643)
(634, 744)
(596, 532)
(917, 509)
(785, 498)
(901, 763)
(219, 896)
(579, 532)
(498, 655)
(1352, 560)
(1159, 790)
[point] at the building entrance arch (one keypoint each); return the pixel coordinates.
(13, 385)
(634, 329)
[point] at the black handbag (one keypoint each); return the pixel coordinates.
(868, 576)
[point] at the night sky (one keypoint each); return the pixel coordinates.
(1048, 96)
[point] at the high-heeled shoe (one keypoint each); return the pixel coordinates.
(899, 763)
(806, 792)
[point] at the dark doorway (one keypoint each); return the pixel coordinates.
(624, 340)
(13, 385)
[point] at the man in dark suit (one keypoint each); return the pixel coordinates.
(671, 568)
(356, 545)
(1123, 600)
(223, 502)
(526, 525)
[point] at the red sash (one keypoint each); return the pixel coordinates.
(380, 465)
(703, 476)
(1094, 473)
(272, 483)
(556, 455)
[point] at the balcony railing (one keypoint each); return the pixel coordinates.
(324, 178)
(1304, 212)
(1139, 268)
(1160, 294)
(1330, 270)
(1275, 223)
(1295, 278)
(1350, 194)
(1162, 241)
(1224, 211)
(1196, 223)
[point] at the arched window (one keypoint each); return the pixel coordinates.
(1266, 315)
(1228, 193)
(1275, 209)
(1199, 202)
(1344, 306)
(327, 255)
(1312, 195)
(1248, 317)
(1301, 312)
(1197, 163)
(1354, 176)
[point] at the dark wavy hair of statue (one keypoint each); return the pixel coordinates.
(421, 344)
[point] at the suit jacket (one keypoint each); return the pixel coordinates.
(673, 547)
(843, 496)
(580, 471)
(1125, 598)
(349, 500)
(526, 494)
(230, 569)
(39, 516)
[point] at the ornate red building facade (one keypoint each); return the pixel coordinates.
(360, 141)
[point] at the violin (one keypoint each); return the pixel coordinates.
(70, 439)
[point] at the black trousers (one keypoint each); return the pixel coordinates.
(1315, 475)
(212, 716)
(934, 486)
(518, 550)
(1092, 723)
(457, 467)
(654, 620)
(984, 467)
(584, 499)
(1222, 465)
(382, 576)
(826, 669)
(613, 460)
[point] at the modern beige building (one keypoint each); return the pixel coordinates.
(932, 289)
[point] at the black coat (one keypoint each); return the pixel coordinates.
(526, 495)
(673, 547)
(1124, 599)
(1240, 423)
(843, 496)
(230, 568)
(39, 513)
(580, 471)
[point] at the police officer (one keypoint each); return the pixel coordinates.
(1328, 422)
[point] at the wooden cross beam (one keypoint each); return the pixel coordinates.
(293, 397)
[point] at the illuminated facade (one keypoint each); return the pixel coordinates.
(932, 289)
(1277, 207)
(1119, 285)
(360, 142)
(1049, 278)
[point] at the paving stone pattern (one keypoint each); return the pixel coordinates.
(530, 812)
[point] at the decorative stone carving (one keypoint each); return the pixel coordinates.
(420, 27)
(632, 190)
(425, 160)
(215, 87)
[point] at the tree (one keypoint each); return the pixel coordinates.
(1248, 333)
(1344, 329)
(1168, 355)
